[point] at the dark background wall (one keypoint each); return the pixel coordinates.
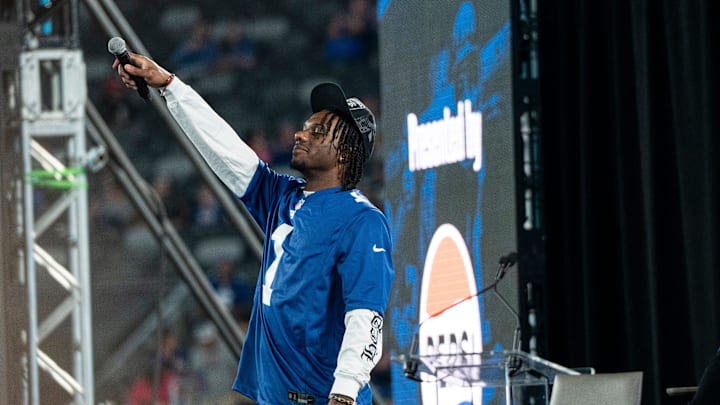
(630, 130)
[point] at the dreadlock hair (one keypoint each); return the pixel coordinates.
(351, 150)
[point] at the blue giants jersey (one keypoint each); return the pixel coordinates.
(324, 255)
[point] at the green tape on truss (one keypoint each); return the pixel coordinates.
(58, 179)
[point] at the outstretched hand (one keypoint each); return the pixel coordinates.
(144, 67)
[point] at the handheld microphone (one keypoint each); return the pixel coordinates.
(117, 47)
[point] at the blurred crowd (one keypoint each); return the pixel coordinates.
(255, 64)
(227, 65)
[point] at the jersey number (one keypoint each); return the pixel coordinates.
(278, 237)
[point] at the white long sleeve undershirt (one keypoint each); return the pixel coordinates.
(232, 160)
(360, 351)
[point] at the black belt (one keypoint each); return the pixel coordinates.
(301, 398)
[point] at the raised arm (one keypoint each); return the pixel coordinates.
(227, 155)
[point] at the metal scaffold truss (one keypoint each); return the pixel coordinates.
(54, 206)
(46, 336)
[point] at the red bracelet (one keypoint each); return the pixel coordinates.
(167, 83)
(169, 80)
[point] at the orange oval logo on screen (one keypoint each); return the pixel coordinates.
(450, 317)
(448, 275)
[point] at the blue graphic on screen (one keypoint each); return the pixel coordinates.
(382, 5)
(464, 68)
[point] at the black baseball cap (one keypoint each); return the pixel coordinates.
(330, 96)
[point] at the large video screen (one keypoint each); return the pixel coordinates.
(447, 127)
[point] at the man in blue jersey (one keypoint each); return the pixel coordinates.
(316, 327)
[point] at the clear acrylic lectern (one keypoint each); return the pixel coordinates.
(525, 378)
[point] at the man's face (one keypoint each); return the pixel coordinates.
(314, 148)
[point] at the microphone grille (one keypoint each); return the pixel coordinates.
(509, 260)
(512, 258)
(116, 45)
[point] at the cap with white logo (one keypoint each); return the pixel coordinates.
(330, 96)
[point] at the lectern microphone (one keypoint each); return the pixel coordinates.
(506, 262)
(410, 363)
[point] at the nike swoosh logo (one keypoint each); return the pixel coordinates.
(377, 249)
